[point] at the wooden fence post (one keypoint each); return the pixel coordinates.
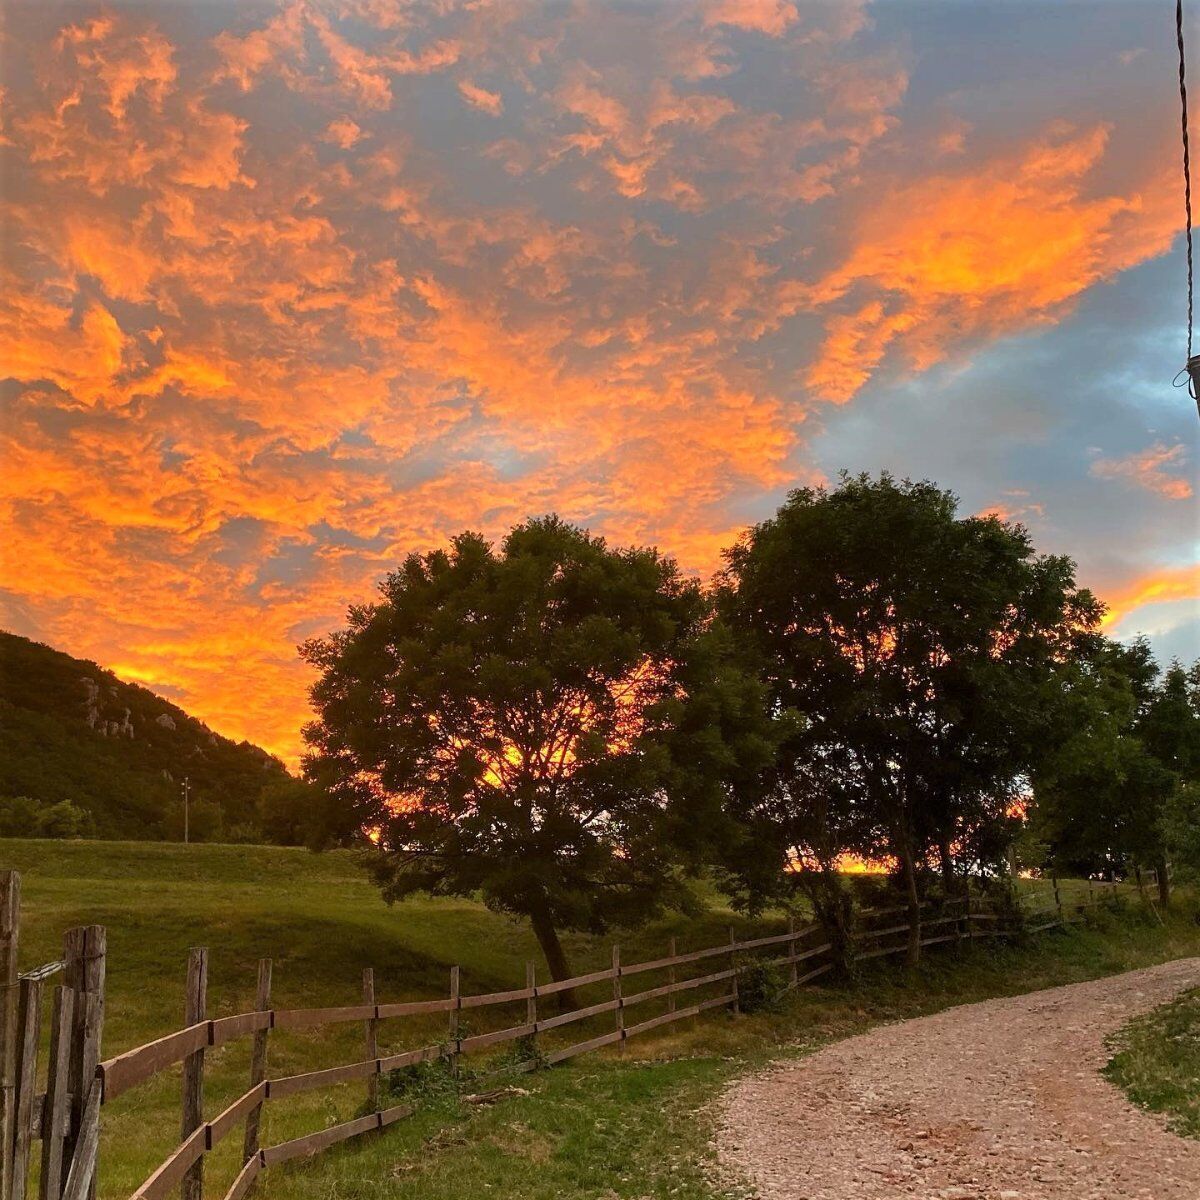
(29, 1020)
(84, 953)
(736, 1006)
(455, 1007)
(531, 1002)
(617, 997)
(10, 936)
(1058, 904)
(794, 967)
(57, 1110)
(372, 1038)
(195, 1011)
(258, 1060)
(671, 952)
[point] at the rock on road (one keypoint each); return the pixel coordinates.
(995, 1101)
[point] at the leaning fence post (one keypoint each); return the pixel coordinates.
(195, 1011)
(455, 1007)
(10, 934)
(258, 1059)
(372, 1038)
(56, 1110)
(736, 1005)
(671, 953)
(618, 1000)
(84, 953)
(30, 1021)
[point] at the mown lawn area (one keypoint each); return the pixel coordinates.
(1157, 1062)
(603, 1125)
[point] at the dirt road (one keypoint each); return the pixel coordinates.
(995, 1101)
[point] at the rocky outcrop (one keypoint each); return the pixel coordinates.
(94, 716)
(165, 720)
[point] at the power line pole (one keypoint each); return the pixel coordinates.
(185, 810)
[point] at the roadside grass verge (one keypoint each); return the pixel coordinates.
(1157, 1062)
(605, 1125)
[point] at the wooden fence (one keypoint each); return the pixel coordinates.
(63, 1114)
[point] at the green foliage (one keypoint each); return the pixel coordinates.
(71, 732)
(915, 653)
(23, 816)
(1181, 828)
(1114, 792)
(1157, 1062)
(529, 724)
(762, 987)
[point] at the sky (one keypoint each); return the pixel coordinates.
(291, 291)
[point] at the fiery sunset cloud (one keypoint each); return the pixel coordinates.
(291, 291)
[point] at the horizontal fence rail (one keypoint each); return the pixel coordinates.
(65, 1118)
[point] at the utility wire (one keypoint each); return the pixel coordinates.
(1187, 203)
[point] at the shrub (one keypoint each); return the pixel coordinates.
(761, 987)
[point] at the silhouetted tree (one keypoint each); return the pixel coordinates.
(917, 650)
(525, 723)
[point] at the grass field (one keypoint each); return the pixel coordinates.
(601, 1126)
(1157, 1062)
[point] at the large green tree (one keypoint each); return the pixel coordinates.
(1123, 751)
(526, 723)
(915, 649)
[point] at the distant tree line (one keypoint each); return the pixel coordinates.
(575, 732)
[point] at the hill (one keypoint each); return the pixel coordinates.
(72, 731)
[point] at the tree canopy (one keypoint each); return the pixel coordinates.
(511, 721)
(916, 650)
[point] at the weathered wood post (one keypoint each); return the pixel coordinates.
(10, 935)
(29, 1020)
(195, 1011)
(617, 997)
(372, 1037)
(736, 1006)
(84, 952)
(455, 1008)
(531, 1001)
(258, 1059)
(1058, 904)
(794, 971)
(671, 953)
(56, 1111)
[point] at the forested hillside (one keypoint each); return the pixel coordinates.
(72, 731)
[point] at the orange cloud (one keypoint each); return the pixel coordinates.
(480, 98)
(1153, 469)
(1160, 586)
(951, 258)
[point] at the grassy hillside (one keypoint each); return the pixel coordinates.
(601, 1126)
(70, 730)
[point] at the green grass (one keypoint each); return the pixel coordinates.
(601, 1126)
(1157, 1062)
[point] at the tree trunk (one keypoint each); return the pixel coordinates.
(913, 955)
(946, 857)
(556, 959)
(1164, 883)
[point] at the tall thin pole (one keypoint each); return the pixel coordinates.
(185, 809)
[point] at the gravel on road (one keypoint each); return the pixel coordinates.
(1001, 1100)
